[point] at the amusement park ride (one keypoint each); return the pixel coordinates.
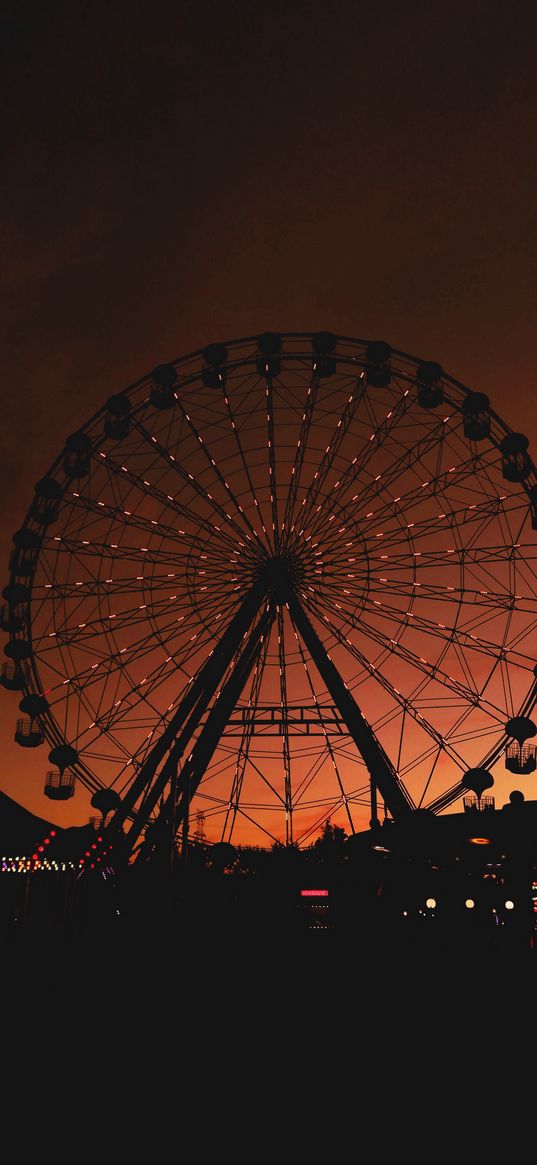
(280, 580)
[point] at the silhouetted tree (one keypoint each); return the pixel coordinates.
(330, 846)
(222, 856)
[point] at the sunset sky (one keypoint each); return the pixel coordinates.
(182, 173)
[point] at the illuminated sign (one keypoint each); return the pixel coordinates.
(314, 893)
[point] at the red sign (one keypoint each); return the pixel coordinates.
(314, 893)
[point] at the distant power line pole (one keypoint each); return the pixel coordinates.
(199, 832)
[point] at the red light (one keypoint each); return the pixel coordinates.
(40, 849)
(88, 854)
(53, 833)
(93, 846)
(314, 893)
(47, 841)
(34, 857)
(99, 839)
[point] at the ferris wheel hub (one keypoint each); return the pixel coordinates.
(280, 574)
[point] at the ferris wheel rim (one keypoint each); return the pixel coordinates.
(29, 521)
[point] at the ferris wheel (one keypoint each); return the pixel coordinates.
(280, 580)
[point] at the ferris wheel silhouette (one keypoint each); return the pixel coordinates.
(283, 579)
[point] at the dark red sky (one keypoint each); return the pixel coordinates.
(179, 173)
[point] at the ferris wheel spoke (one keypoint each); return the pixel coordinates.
(273, 484)
(105, 652)
(477, 558)
(397, 531)
(221, 479)
(159, 674)
(330, 454)
(242, 415)
(108, 758)
(380, 435)
(394, 647)
(480, 598)
(457, 477)
(211, 588)
(191, 481)
(478, 526)
(117, 662)
(436, 483)
(115, 710)
(128, 520)
(506, 683)
(300, 452)
(504, 512)
(396, 695)
(348, 515)
(151, 493)
(93, 627)
(235, 428)
(86, 552)
(97, 587)
(451, 634)
(184, 511)
(482, 611)
(408, 456)
(83, 506)
(479, 565)
(320, 819)
(470, 693)
(453, 521)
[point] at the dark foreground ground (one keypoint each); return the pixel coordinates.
(179, 966)
(252, 1018)
(164, 949)
(258, 1033)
